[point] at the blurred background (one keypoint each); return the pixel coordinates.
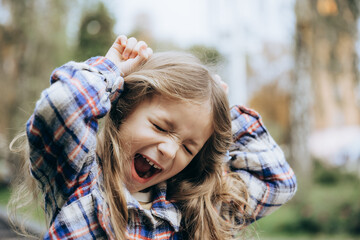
(294, 61)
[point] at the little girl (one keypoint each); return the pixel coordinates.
(171, 161)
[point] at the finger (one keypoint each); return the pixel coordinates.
(120, 43)
(143, 56)
(145, 53)
(131, 43)
(136, 61)
(218, 79)
(122, 40)
(225, 87)
(149, 52)
(117, 48)
(140, 47)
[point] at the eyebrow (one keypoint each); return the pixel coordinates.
(169, 124)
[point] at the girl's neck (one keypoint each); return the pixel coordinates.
(142, 197)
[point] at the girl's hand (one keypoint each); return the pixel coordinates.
(127, 54)
(222, 83)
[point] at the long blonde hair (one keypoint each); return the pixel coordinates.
(26, 198)
(200, 190)
(212, 206)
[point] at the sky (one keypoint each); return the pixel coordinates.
(186, 22)
(178, 21)
(237, 28)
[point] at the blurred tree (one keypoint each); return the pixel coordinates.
(326, 62)
(273, 102)
(96, 33)
(207, 55)
(301, 95)
(33, 42)
(269, 90)
(334, 63)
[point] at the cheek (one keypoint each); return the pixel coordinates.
(138, 134)
(181, 164)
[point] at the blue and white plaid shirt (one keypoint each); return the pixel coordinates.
(62, 137)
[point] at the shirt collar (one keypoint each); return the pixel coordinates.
(161, 207)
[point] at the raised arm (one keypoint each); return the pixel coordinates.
(62, 130)
(260, 163)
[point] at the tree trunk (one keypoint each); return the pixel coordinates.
(325, 80)
(301, 95)
(334, 64)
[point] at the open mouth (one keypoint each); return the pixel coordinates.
(144, 168)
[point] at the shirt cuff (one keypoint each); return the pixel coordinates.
(113, 76)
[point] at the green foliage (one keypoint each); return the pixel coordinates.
(96, 34)
(331, 207)
(33, 43)
(335, 219)
(327, 175)
(207, 55)
(4, 196)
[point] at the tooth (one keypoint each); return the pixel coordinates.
(151, 163)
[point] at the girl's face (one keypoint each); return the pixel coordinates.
(163, 136)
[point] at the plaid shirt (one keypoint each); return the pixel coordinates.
(62, 138)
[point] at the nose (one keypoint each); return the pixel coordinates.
(168, 148)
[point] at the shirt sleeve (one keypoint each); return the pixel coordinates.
(261, 164)
(62, 130)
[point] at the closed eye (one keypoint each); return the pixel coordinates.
(159, 128)
(188, 150)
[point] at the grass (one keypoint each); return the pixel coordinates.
(272, 227)
(4, 195)
(327, 210)
(36, 213)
